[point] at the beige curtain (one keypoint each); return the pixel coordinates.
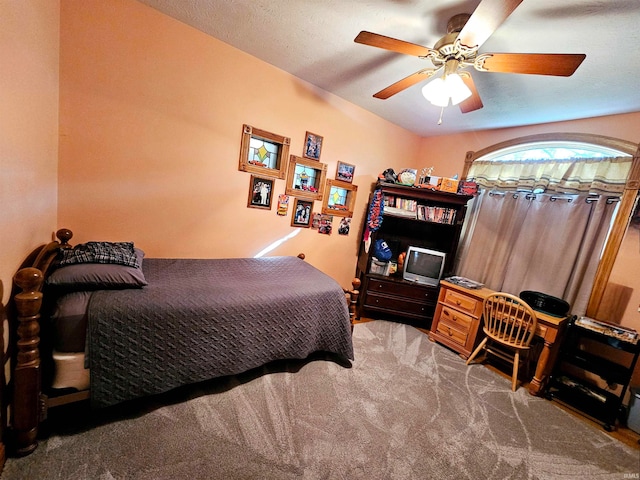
(597, 176)
(546, 243)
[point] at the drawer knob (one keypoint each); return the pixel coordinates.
(450, 332)
(458, 302)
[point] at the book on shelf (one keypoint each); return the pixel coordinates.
(410, 208)
(436, 214)
(405, 207)
(400, 212)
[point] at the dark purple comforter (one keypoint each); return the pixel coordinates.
(200, 319)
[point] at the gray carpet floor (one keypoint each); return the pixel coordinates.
(407, 408)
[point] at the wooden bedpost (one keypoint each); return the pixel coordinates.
(27, 405)
(352, 299)
(27, 374)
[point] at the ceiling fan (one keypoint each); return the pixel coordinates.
(458, 50)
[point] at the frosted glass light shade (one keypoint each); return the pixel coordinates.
(458, 91)
(436, 92)
(439, 90)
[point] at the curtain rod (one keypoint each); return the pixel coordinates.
(568, 198)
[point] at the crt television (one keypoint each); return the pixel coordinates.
(424, 266)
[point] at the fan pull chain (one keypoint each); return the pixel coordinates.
(440, 119)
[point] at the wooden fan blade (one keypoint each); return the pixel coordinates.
(556, 64)
(489, 15)
(473, 102)
(388, 43)
(404, 83)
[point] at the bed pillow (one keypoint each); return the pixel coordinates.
(120, 253)
(99, 276)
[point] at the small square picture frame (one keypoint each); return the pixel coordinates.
(302, 213)
(312, 146)
(260, 192)
(345, 171)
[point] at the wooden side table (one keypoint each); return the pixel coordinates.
(457, 318)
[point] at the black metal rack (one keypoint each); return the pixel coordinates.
(594, 369)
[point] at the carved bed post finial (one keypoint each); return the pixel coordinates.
(64, 235)
(27, 374)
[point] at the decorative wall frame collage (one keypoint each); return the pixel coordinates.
(265, 155)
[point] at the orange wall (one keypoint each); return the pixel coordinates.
(29, 47)
(151, 114)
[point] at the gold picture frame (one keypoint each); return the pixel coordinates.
(339, 199)
(305, 178)
(263, 153)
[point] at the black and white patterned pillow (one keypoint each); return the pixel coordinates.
(120, 253)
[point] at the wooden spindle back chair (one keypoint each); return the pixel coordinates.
(509, 322)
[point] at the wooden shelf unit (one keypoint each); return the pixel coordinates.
(390, 296)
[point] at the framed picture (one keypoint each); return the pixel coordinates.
(305, 178)
(263, 153)
(260, 192)
(312, 146)
(344, 172)
(302, 212)
(339, 198)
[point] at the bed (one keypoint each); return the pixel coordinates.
(100, 321)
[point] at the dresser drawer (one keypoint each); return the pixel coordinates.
(452, 332)
(416, 292)
(454, 317)
(462, 302)
(400, 305)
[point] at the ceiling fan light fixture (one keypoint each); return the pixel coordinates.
(441, 90)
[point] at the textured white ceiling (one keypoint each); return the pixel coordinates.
(313, 40)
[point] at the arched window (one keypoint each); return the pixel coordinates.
(580, 167)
